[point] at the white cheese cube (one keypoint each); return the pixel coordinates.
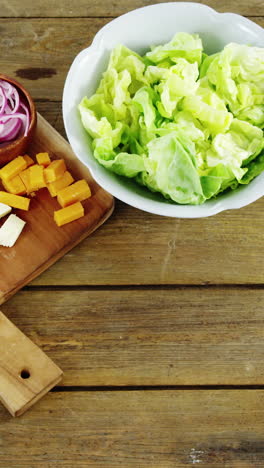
(4, 210)
(11, 230)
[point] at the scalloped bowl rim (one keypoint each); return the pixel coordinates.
(79, 140)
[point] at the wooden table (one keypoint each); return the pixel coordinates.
(158, 323)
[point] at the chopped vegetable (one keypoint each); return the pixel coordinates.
(57, 185)
(15, 186)
(55, 170)
(14, 200)
(12, 169)
(4, 210)
(237, 73)
(14, 114)
(180, 122)
(11, 230)
(36, 178)
(68, 214)
(43, 159)
(76, 192)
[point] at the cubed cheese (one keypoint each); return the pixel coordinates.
(14, 200)
(12, 169)
(60, 183)
(54, 171)
(4, 210)
(28, 160)
(36, 178)
(68, 214)
(15, 186)
(43, 159)
(74, 193)
(11, 230)
(24, 176)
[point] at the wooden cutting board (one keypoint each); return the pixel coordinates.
(42, 243)
(26, 373)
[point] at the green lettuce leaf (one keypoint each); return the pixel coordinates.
(254, 168)
(171, 169)
(181, 81)
(180, 122)
(188, 46)
(235, 148)
(125, 164)
(216, 180)
(206, 106)
(238, 76)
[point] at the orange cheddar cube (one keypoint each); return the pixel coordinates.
(59, 184)
(12, 169)
(24, 176)
(36, 178)
(15, 201)
(74, 193)
(28, 160)
(54, 171)
(15, 186)
(43, 159)
(68, 214)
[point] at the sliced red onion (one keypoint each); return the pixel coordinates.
(7, 86)
(14, 114)
(27, 116)
(11, 102)
(10, 130)
(8, 109)
(3, 101)
(17, 100)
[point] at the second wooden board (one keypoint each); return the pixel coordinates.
(42, 242)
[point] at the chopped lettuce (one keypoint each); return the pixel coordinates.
(209, 109)
(181, 81)
(180, 122)
(188, 46)
(171, 169)
(237, 74)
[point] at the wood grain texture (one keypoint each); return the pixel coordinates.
(26, 373)
(62, 8)
(52, 112)
(139, 248)
(43, 242)
(157, 429)
(49, 51)
(187, 336)
(148, 336)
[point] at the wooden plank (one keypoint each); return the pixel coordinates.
(226, 248)
(52, 112)
(187, 336)
(38, 53)
(42, 242)
(159, 429)
(49, 51)
(49, 8)
(26, 373)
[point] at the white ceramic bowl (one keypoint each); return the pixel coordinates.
(155, 24)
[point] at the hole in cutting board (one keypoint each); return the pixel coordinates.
(25, 374)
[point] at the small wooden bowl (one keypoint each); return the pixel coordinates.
(18, 147)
